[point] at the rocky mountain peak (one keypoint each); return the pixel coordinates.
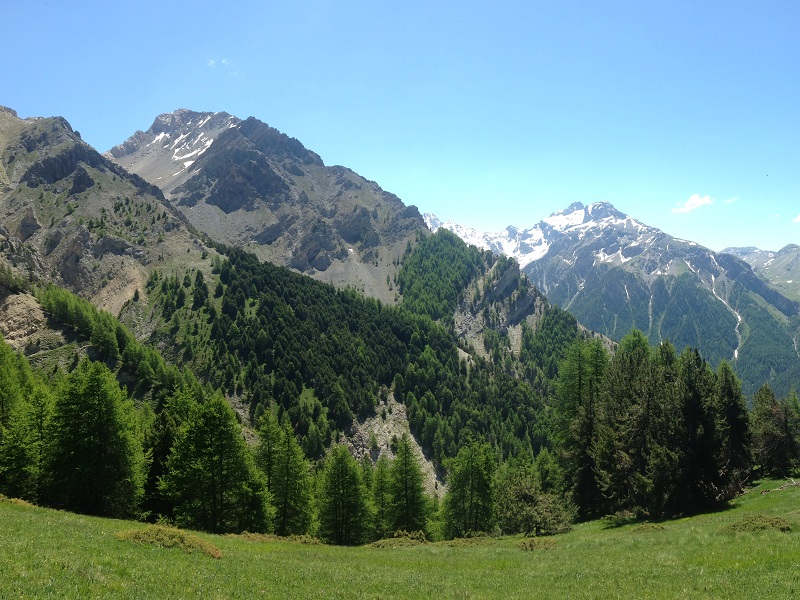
(165, 152)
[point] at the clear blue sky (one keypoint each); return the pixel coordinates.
(488, 114)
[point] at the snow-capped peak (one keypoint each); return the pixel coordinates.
(182, 136)
(577, 222)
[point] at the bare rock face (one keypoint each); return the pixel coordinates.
(78, 246)
(28, 225)
(244, 183)
(81, 181)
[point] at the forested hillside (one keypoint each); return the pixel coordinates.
(267, 334)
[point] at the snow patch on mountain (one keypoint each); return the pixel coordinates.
(577, 222)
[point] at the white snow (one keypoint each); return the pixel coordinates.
(560, 221)
(180, 138)
(159, 137)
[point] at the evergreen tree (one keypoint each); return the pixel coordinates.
(159, 440)
(407, 509)
(622, 444)
(342, 501)
(579, 387)
(211, 476)
(12, 382)
(93, 461)
(469, 502)
(22, 446)
(381, 498)
(696, 435)
(733, 433)
(270, 437)
(776, 433)
(291, 487)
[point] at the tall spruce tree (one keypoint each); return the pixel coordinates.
(733, 433)
(696, 433)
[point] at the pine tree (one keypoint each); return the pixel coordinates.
(407, 509)
(211, 476)
(342, 500)
(93, 461)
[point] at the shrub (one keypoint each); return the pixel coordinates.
(169, 537)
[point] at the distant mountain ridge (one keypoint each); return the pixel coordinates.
(615, 273)
(781, 268)
(246, 184)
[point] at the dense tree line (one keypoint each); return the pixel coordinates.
(652, 432)
(115, 344)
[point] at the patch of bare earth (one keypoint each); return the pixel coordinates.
(23, 323)
(391, 422)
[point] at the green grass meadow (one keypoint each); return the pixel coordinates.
(46, 553)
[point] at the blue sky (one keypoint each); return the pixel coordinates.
(486, 114)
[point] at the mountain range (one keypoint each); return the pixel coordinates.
(164, 198)
(615, 273)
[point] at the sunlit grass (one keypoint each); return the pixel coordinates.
(45, 553)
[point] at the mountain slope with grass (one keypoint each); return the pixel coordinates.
(743, 552)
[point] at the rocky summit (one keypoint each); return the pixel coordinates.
(246, 184)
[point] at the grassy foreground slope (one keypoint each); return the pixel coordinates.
(45, 553)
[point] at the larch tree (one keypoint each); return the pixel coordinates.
(342, 500)
(211, 477)
(93, 461)
(408, 506)
(469, 502)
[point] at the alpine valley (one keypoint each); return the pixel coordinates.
(209, 327)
